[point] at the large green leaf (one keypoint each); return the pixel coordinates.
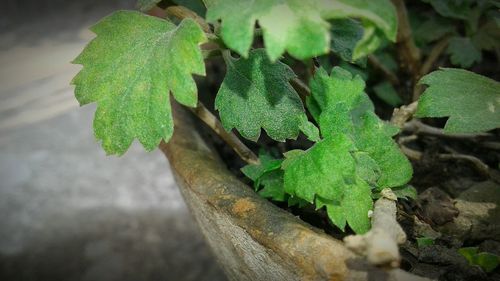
(470, 100)
(297, 26)
(357, 152)
(129, 70)
(256, 94)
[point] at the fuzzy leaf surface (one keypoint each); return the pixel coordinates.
(129, 70)
(296, 26)
(326, 174)
(471, 101)
(256, 94)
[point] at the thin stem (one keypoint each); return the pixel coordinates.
(182, 12)
(232, 140)
(389, 75)
(408, 53)
(419, 128)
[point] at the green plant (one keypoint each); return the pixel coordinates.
(487, 261)
(136, 61)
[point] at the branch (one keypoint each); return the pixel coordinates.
(408, 53)
(380, 244)
(232, 140)
(389, 75)
(403, 114)
(419, 128)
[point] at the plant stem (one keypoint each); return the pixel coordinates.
(408, 53)
(232, 140)
(403, 114)
(419, 128)
(181, 12)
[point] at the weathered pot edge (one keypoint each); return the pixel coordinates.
(271, 244)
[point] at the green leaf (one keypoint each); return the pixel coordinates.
(256, 94)
(347, 109)
(328, 171)
(470, 100)
(381, 13)
(345, 35)
(267, 164)
(375, 137)
(296, 26)
(268, 175)
(129, 70)
(463, 10)
(463, 53)
(386, 92)
(356, 153)
(288, 25)
(368, 44)
(487, 261)
(272, 183)
(469, 253)
(425, 241)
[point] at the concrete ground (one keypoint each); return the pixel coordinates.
(67, 211)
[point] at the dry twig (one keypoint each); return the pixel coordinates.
(380, 244)
(232, 140)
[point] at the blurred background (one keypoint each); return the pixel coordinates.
(67, 211)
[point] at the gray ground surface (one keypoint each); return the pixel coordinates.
(68, 212)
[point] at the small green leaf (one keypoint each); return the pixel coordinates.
(424, 241)
(469, 253)
(129, 70)
(256, 94)
(272, 183)
(267, 164)
(470, 100)
(463, 53)
(487, 261)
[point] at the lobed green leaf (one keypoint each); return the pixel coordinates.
(129, 70)
(471, 101)
(256, 94)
